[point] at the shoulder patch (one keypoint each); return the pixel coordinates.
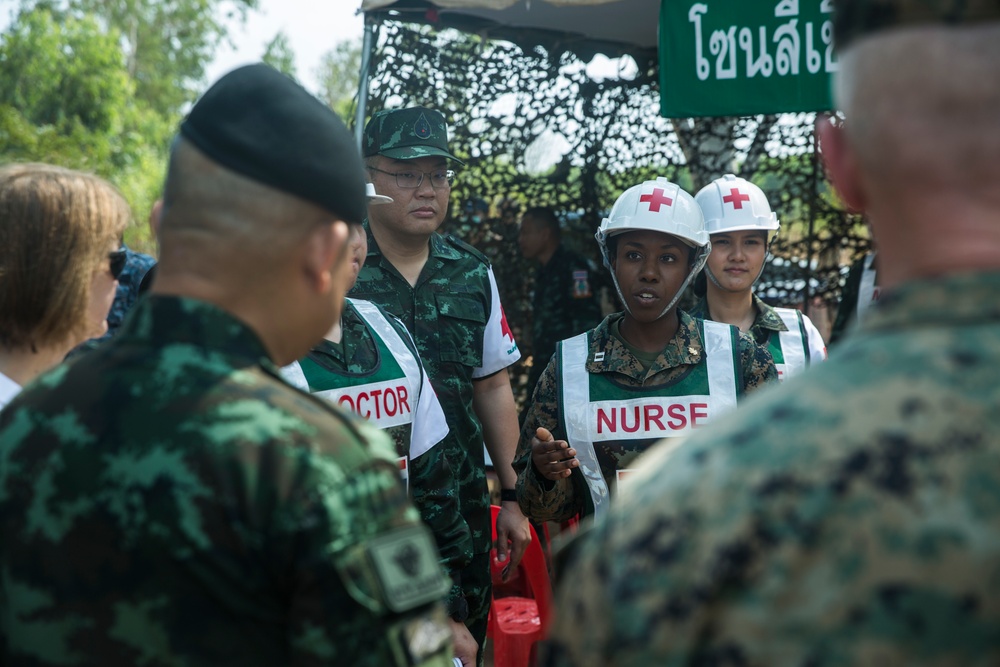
(462, 245)
(405, 562)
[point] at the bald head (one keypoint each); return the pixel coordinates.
(922, 105)
(919, 151)
(273, 260)
(220, 224)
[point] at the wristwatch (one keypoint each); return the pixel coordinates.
(508, 495)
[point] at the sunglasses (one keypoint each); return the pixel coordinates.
(117, 260)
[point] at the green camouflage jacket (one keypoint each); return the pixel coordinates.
(849, 516)
(455, 317)
(167, 499)
(545, 500)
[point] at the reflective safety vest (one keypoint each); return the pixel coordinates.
(386, 397)
(790, 349)
(868, 291)
(609, 425)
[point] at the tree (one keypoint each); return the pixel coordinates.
(166, 45)
(338, 74)
(279, 55)
(66, 98)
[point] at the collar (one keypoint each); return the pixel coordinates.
(354, 334)
(954, 300)
(767, 317)
(687, 347)
(171, 320)
(439, 249)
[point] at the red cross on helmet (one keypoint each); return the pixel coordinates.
(660, 206)
(732, 204)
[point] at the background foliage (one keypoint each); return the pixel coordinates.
(100, 85)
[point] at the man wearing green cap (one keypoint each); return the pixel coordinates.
(445, 293)
(850, 516)
(167, 499)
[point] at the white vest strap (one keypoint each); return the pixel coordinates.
(868, 293)
(576, 399)
(721, 359)
(794, 346)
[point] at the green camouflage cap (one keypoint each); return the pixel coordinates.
(854, 19)
(405, 134)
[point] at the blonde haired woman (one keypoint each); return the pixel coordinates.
(60, 257)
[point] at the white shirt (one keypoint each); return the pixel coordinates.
(8, 389)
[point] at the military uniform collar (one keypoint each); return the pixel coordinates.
(953, 300)
(767, 317)
(171, 320)
(607, 354)
(353, 334)
(439, 248)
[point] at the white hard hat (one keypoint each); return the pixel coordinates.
(733, 204)
(660, 206)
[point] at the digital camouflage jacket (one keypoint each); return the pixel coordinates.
(849, 516)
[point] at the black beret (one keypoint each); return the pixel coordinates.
(259, 123)
(854, 19)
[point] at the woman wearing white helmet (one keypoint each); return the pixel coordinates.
(644, 374)
(742, 226)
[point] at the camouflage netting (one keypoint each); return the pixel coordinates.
(535, 129)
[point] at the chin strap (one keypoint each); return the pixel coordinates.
(767, 258)
(696, 266)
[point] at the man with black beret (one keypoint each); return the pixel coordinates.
(168, 498)
(851, 515)
(445, 293)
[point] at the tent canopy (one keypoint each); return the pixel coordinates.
(611, 27)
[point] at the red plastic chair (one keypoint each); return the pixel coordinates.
(517, 622)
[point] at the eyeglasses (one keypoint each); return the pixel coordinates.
(116, 261)
(410, 180)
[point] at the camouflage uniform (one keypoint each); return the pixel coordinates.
(850, 516)
(448, 313)
(546, 500)
(353, 362)
(136, 266)
(766, 328)
(563, 304)
(167, 499)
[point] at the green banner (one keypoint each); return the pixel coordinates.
(744, 57)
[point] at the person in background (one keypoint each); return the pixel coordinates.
(742, 227)
(168, 498)
(649, 372)
(563, 301)
(849, 517)
(136, 266)
(59, 262)
(445, 293)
